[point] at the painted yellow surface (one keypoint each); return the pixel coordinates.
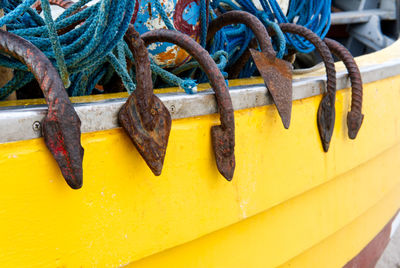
(288, 199)
(267, 239)
(123, 213)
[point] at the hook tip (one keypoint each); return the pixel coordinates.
(354, 122)
(74, 182)
(223, 141)
(62, 136)
(286, 121)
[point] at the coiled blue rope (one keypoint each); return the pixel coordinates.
(94, 51)
(55, 43)
(77, 53)
(313, 14)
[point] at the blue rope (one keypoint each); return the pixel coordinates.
(55, 43)
(121, 54)
(203, 22)
(163, 15)
(126, 79)
(3, 3)
(15, 13)
(83, 52)
(94, 51)
(221, 57)
(188, 85)
(19, 80)
(313, 14)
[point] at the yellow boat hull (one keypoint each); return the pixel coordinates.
(289, 204)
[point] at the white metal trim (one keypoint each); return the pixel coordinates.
(16, 123)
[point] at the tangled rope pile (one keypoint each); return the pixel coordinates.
(80, 54)
(97, 47)
(86, 43)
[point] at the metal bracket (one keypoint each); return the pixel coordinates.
(370, 34)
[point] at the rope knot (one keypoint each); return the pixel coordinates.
(189, 85)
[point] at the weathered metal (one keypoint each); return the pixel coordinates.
(326, 110)
(223, 136)
(144, 117)
(182, 16)
(16, 122)
(354, 117)
(277, 73)
(61, 126)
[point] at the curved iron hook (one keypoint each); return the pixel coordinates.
(144, 117)
(223, 136)
(354, 117)
(61, 126)
(277, 73)
(246, 18)
(326, 109)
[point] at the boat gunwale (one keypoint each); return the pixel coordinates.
(17, 122)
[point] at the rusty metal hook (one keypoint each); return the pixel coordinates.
(223, 136)
(61, 126)
(277, 73)
(326, 109)
(354, 117)
(144, 117)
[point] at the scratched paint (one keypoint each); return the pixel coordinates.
(183, 15)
